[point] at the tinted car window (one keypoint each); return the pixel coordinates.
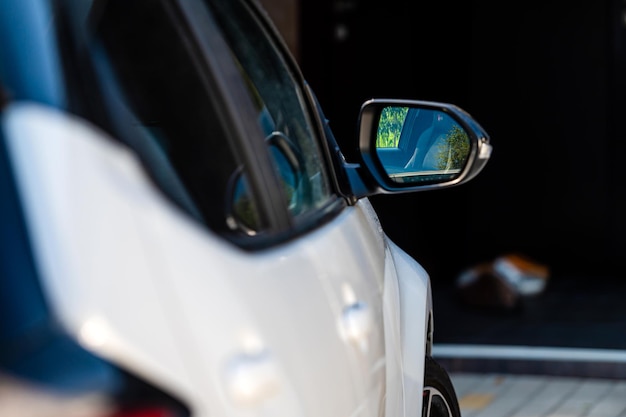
(174, 120)
(281, 106)
(172, 111)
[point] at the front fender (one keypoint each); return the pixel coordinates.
(408, 331)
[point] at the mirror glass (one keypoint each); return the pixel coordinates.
(421, 145)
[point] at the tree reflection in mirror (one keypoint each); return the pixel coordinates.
(420, 145)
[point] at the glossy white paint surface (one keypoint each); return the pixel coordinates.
(321, 326)
(414, 297)
(84, 195)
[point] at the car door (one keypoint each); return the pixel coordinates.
(344, 247)
(275, 279)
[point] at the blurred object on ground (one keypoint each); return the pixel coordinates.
(503, 282)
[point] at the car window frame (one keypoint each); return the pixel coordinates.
(336, 203)
(213, 53)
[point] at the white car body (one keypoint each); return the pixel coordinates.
(333, 320)
(228, 304)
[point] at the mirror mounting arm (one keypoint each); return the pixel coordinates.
(358, 187)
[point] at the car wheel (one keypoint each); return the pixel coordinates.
(439, 397)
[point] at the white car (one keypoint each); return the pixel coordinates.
(181, 235)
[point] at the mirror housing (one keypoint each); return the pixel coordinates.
(394, 135)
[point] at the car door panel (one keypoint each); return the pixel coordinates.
(232, 308)
(349, 257)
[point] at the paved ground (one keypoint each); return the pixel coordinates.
(525, 381)
(559, 354)
(502, 395)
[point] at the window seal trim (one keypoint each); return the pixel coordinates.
(224, 77)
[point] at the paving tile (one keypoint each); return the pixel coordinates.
(554, 391)
(466, 382)
(479, 398)
(515, 397)
(580, 403)
(613, 404)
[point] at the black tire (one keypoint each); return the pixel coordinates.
(439, 398)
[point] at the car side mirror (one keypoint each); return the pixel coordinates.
(409, 145)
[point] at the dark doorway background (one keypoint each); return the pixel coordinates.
(547, 80)
(543, 78)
